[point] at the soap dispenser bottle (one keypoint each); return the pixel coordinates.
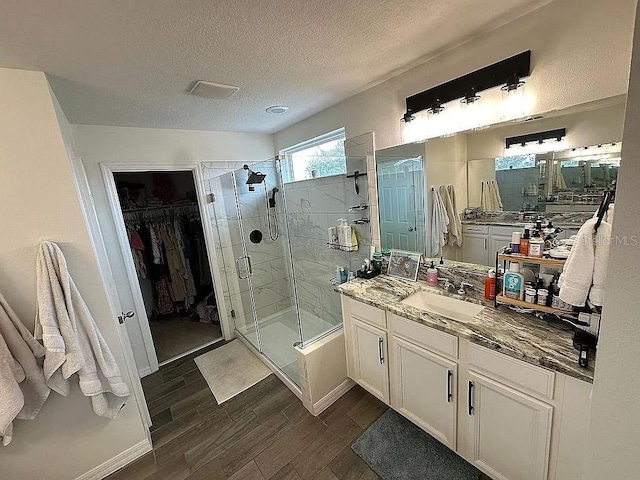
(432, 275)
(513, 285)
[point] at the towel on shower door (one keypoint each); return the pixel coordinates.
(23, 390)
(71, 338)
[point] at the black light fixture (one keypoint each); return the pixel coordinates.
(436, 107)
(513, 83)
(470, 97)
(539, 137)
(508, 72)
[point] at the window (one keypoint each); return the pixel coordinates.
(516, 161)
(322, 156)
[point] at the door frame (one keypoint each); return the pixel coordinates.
(90, 215)
(108, 169)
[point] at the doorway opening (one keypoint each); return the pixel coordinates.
(167, 241)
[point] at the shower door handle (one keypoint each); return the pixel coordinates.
(249, 267)
(240, 276)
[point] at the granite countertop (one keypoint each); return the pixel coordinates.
(566, 224)
(568, 220)
(543, 343)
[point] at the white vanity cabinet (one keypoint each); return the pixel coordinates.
(481, 242)
(510, 431)
(423, 371)
(511, 419)
(475, 244)
(369, 358)
(366, 347)
(423, 389)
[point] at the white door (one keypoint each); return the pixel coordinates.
(510, 431)
(370, 358)
(401, 204)
(475, 248)
(423, 389)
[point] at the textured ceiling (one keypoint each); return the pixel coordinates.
(131, 62)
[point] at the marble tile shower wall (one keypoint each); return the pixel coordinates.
(271, 280)
(312, 207)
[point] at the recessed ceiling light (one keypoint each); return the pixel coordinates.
(219, 91)
(277, 109)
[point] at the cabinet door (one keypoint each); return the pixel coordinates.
(423, 389)
(474, 248)
(510, 431)
(370, 358)
(496, 242)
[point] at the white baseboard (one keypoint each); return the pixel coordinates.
(328, 400)
(143, 372)
(121, 460)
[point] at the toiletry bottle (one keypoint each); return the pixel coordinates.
(524, 243)
(515, 242)
(490, 285)
(513, 282)
(432, 274)
(354, 240)
(536, 246)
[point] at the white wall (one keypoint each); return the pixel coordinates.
(39, 201)
(580, 53)
(614, 438)
(160, 147)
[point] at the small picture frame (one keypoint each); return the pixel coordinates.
(403, 264)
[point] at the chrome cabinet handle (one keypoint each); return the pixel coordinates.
(380, 354)
(449, 386)
(485, 243)
(470, 399)
(241, 277)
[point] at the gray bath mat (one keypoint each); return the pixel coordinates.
(396, 449)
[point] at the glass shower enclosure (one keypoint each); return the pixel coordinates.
(271, 243)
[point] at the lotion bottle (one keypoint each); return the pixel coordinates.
(513, 284)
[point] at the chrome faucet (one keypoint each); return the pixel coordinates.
(448, 285)
(463, 286)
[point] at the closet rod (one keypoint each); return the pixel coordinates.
(160, 207)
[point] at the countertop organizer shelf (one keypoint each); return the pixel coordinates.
(501, 299)
(552, 262)
(549, 262)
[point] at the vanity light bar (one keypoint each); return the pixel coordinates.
(557, 134)
(499, 73)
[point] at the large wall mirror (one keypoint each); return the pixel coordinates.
(561, 180)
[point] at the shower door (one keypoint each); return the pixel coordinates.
(266, 267)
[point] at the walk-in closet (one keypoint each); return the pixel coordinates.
(167, 242)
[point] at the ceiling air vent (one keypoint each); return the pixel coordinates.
(218, 91)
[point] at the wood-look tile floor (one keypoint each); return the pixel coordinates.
(263, 433)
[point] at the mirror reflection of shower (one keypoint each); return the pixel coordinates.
(270, 202)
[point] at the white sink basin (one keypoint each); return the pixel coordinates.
(446, 306)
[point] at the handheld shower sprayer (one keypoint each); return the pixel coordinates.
(272, 200)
